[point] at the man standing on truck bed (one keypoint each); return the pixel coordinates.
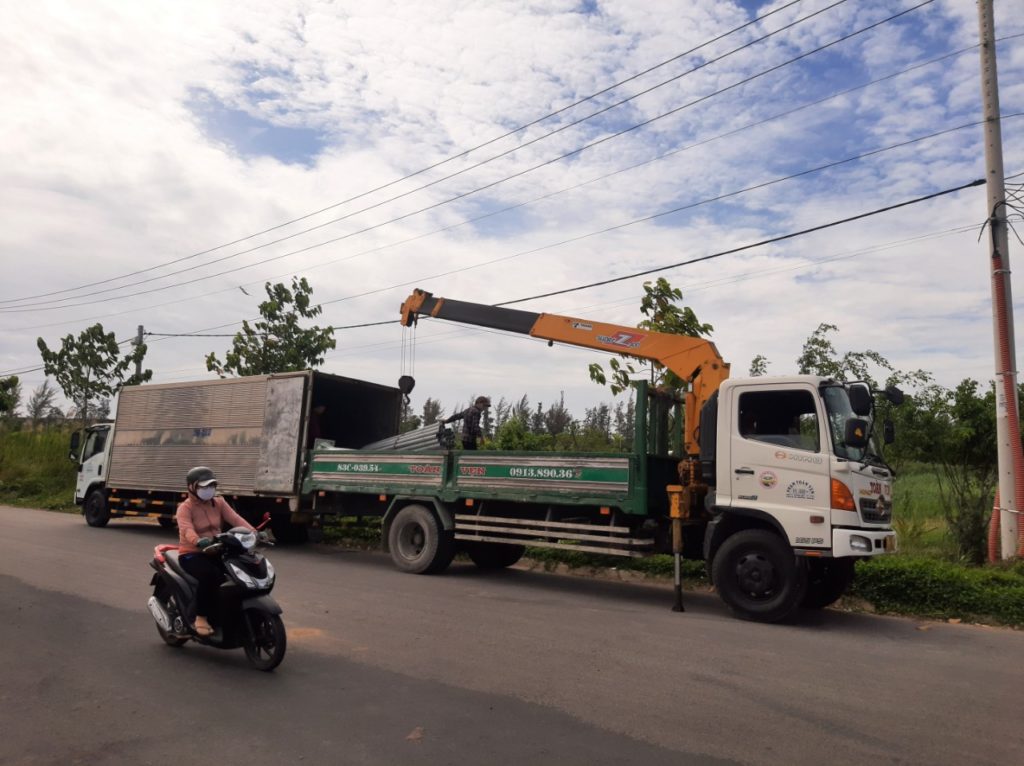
(470, 418)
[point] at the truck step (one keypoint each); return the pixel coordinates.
(589, 538)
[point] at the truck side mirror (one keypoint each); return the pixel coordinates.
(894, 395)
(76, 442)
(888, 431)
(860, 399)
(856, 435)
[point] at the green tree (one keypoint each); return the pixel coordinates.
(758, 366)
(557, 418)
(91, 367)
(10, 394)
(41, 402)
(819, 357)
(432, 411)
(660, 306)
(958, 436)
(277, 342)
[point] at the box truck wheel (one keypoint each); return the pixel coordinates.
(827, 580)
(418, 542)
(95, 509)
(494, 555)
(758, 577)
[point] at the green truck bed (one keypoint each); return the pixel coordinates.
(603, 479)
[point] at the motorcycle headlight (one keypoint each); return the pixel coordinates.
(270, 573)
(241, 575)
(246, 538)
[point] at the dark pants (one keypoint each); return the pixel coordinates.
(469, 444)
(210, 575)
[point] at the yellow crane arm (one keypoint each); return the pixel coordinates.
(695, 360)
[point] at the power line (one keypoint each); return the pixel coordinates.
(23, 309)
(749, 246)
(459, 155)
(752, 245)
(653, 216)
(533, 200)
(42, 307)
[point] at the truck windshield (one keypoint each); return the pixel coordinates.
(837, 405)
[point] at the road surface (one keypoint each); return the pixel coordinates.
(518, 667)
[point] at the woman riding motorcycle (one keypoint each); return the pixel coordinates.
(200, 517)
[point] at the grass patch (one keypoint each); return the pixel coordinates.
(35, 470)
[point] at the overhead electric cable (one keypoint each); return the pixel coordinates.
(41, 307)
(435, 165)
(761, 243)
(719, 254)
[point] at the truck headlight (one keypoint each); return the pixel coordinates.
(860, 543)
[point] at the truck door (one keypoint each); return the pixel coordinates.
(282, 430)
(778, 459)
(92, 469)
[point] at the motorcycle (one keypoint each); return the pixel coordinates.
(247, 616)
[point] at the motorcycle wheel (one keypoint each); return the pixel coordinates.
(169, 639)
(266, 643)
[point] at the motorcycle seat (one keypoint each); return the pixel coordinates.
(173, 563)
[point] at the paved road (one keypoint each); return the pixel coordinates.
(519, 667)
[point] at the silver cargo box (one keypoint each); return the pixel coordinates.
(251, 431)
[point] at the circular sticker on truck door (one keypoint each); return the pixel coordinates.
(768, 479)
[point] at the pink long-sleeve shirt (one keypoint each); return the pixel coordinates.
(197, 518)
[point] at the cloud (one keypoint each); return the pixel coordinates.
(144, 133)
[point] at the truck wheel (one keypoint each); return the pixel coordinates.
(418, 542)
(96, 512)
(827, 580)
(494, 555)
(758, 576)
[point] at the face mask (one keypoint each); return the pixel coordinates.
(206, 493)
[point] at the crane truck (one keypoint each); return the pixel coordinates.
(775, 482)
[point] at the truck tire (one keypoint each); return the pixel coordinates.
(758, 576)
(418, 543)
(827, 581)
(95, 509)
(494, 555)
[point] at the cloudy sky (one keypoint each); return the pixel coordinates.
(160, 161)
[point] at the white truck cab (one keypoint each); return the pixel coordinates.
(90, 449)
(791, 466)
(783, 453)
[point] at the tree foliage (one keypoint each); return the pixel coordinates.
(660, 306)
(90, 367)
(41, 403)
(758, 366)
(10, 394)
(277, 342)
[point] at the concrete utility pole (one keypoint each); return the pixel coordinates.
(137, 343)
(1010, 451)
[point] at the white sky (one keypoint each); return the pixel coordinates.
(135, 134)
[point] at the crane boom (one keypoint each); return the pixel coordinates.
(695, 360)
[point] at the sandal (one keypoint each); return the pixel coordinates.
(202, 627)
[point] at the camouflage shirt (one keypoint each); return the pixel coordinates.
(470, 418)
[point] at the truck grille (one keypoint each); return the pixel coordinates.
(874, 512)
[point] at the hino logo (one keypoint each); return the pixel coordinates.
(622, 339)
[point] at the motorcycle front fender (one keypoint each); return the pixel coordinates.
(263, 603)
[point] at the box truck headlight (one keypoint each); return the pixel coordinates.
(860, 543)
